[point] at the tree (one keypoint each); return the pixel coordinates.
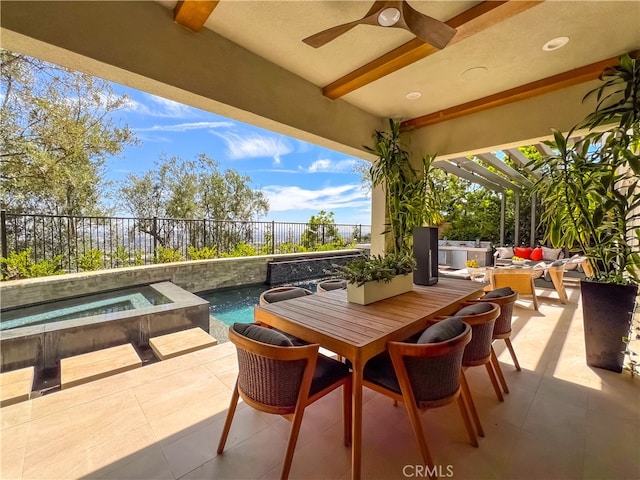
(56, 131)
(181, 189)
(321, 230)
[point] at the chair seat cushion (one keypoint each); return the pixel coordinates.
(475, 309)
(327, 372)
(499, 293)
(334, 284)
(442, 331)
(262, 334)
(273, 297)
(380, 370)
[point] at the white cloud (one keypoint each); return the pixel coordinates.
(154, 106)
(254, 145)
(331, 166)
(286, 198)
(184, 127)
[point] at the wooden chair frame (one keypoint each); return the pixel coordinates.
(293, 413)
(502, 331)
(520, 280)
(398, 351)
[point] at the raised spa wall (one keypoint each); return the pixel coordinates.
(44, 345)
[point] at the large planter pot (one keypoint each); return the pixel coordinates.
(607, 312)
(374, 291)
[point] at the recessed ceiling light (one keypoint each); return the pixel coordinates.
(555, 44)
(473, 73)
(413, 95)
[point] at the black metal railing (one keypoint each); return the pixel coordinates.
(85, 243)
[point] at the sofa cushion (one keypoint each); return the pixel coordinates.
(475, 309)
(522, 252)
(442, 331)
(504, 252)
(551, 254)
(536, 254)
(499, 293)
(262, 334)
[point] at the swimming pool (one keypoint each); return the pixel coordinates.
(236, 304)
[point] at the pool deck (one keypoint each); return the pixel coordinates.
(562, 420)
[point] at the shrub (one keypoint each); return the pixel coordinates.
(167, 255)
(241, 250)
(91, 260)
(19, 265)
(203, 253)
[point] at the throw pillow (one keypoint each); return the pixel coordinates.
(523, 252)
(262, 334)
(474, 309)
(442, 331)
(504, 252)
(551, 254)
(536, 254)
(499, 292)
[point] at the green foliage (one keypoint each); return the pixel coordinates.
(411, 199)
(178, 188)
(203, 253)
(322, 230)
(91, 260)
(241, 250)
(589, 190)
(56, 132)
(120, 257)
(375, 268)
(20, 265)
(167, 255)
(290, 247)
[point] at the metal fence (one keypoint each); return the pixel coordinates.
(120, 241)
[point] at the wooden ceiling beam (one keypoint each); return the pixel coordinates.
(523, 92)
(470, 22)
(193, 13)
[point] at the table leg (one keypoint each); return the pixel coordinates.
(556, 277)
(356, 436)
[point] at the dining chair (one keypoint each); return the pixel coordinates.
(331, 284)
(481, 318)
(504, 297)
(276, 377)
(278, 294)
(425, 375)
(519, 280)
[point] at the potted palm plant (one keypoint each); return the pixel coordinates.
(591, 203)
(411, 200)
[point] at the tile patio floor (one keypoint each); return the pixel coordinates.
(562, 420)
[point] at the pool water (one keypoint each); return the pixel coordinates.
(97, 304)
(236, 305)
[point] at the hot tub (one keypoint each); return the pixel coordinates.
(40, 335)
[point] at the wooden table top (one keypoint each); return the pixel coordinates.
(354, 330)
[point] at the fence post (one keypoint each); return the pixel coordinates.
(155, 239)
(273, 237)
(204, 232)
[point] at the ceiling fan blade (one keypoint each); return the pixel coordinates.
(427, 29)
(321, 38)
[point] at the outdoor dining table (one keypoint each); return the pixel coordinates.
(359, 332)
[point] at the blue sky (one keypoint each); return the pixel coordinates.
(298, 178)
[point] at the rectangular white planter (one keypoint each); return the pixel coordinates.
(374, 291)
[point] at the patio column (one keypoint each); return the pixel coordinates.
(516, 234)
(503, 201)
(532, 240)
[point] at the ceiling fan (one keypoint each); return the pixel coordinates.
(396, 14)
